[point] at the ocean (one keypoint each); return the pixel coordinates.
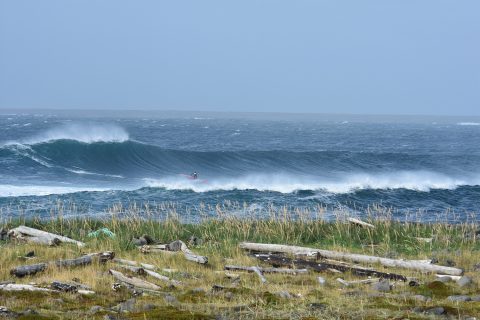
(94, 163)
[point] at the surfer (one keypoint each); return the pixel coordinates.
(194, 175)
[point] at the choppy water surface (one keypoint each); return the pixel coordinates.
(87, 164)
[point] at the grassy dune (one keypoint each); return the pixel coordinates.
(247, 298)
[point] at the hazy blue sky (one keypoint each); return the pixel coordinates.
(404, 57)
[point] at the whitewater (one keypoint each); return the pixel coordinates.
(96, 162)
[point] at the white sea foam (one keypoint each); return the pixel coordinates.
(468, 124)
(36, 190)
(82, 132)
(286, 183)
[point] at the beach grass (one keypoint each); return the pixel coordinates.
(451, 244)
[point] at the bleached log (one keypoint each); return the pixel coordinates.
(27, 270)
(23, 287)
(189, 255)
(163, 278)
(355, 282)
(135, 282)
(53, 242)
(134, 263)
(175, 246)
(136, 270)
(86, 292)
(259, 273)
(452, 278)
(360, 223)
(266, 270)
(43, 234)
(395, 263)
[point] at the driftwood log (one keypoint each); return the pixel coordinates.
(396, 263)
(134, 282)
(27, 270)
(175, 246)
(42, 237)
(280, 261)
(266, 270)
(32, 269)
(134, 263)
(23, 287)
(360, 223)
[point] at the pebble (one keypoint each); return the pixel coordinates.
(382, 286)
(464, 281)
(436, 311)
(284, 294)
(459, 298)
(170, 299)
(321, 281)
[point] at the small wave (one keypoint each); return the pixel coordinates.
(36, 190)
(285, 183)
(468, 124)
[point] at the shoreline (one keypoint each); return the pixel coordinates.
(208, 291)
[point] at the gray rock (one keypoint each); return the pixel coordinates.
(174, 245)
(95, 309)
(283, 294)
(476, 267)
(321, 281)
(382, 286)
(464, 281)
(418, 310)
(170, 299)
(3, 234)
(194, 241)
(459, 298)
(436, 311)
(126, 306)
(317, 306)
(229, 296)
(139, 241)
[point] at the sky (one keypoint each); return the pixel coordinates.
(361, 57)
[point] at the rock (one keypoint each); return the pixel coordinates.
(283, 294)
(418, 310)
(436, 311)
(3, 234)
(170, 299)
(317, 306)
(321, 281)
(198, 290)
(450, 263)
(5, 313)
(139, 241)
(194, 241)
(174, 245)
(476, 267)
(147, 238)
(464, 281)
(95, 309)
(229, 296)
(382, 286)
(126, 306)
(459, 298)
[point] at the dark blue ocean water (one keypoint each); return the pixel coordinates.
(88, 163)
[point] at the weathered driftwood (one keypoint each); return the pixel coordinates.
(276, 260)
(63, 286)
(452, 278)
(352, 283)
(266, 270)
(259, 273)
(360, 223)
(136, 270)
(134, 263)
(175, 246)
(22, 287)
(32, 269)
(27, 270)
(104, 256)
(397, 263)
(80, 261)
(135, 282)
(156, 275)
(47, 236)
(40, 240)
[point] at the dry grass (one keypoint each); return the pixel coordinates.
(249, 298)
